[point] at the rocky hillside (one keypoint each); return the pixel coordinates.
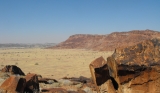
(107, 42)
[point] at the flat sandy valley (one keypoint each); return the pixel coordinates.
(52, 63)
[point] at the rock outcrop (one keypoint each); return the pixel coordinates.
(100, 75)
(107, 42)
(32, 84)
(20, 84)
(13, 69)
(134, 69)
(14, 84)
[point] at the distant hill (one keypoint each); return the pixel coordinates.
(106, 42)
(20, 45)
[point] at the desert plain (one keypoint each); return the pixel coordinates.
(52, 63)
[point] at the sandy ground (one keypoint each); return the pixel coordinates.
(50, 62)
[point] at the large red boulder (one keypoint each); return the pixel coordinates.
(14, 84)
(134, 69)
(100, 75)
(32, 84)
(13, 69)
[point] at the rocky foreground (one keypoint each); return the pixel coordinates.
(133, 69)
(13, 80)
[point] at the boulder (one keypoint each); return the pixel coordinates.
(100, 74)
(99, 71)
(32, 84)
(134, 69)
(13, 69)
(14, 84)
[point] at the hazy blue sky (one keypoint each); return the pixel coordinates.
(53, 21)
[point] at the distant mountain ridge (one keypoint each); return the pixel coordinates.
(106, 42)
(21, 45)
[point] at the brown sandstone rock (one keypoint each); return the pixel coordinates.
(12, 69)
(100, 74)
(135, 69)
(32, 83)
(13, 84)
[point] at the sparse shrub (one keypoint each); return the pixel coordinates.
(16, 63)
(36, 64)
(2, 65)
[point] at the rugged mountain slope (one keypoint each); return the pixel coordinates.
(107, 42)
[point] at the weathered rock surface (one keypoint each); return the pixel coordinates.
(100, 75)
(32, 83)
(135, 69)
(13, 69)
(4, 75)
(99, 67)
(107, 42)
(14, 84)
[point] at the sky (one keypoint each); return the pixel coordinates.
(53, 21)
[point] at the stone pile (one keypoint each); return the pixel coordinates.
(13, 81)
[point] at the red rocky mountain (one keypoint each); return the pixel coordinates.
(107, 42)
